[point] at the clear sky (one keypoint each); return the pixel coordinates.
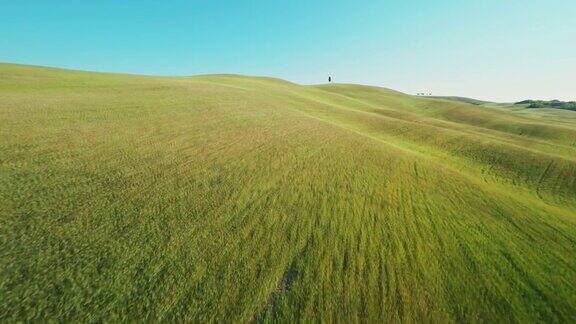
(501, 50)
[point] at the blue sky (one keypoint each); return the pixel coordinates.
(501, 50)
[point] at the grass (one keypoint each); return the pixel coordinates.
(230, 198)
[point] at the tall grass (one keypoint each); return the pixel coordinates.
(228, 198)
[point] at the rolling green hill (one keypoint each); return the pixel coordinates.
(463, 99)
(232, 198)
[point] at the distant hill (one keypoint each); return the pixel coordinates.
(227, 198)
(461, 99)
(567, 105)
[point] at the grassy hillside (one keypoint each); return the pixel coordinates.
(230, 198)
(463, 99)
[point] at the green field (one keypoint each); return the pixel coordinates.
(231, 198)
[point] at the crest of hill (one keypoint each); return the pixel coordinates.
(462, 99)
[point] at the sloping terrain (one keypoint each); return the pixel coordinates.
(230, 198)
